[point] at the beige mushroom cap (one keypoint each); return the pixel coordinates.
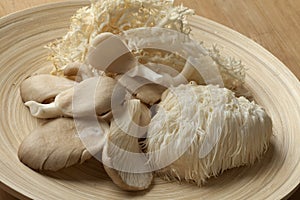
(102, 56)
(43, 87)
(97, 89)
(53, 146)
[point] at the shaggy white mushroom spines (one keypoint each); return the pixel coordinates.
(201, 131)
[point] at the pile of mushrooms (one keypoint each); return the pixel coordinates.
(56, 144)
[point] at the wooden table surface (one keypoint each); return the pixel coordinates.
(274, 24)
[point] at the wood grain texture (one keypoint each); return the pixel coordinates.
(275, 24)
(248, 17)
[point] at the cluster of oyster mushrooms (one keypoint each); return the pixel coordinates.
(188, 130)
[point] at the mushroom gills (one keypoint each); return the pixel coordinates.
(122, 155)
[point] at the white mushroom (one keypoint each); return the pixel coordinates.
(122, 155)
(79, 71)
(44, 111)
(43, 87)
(56, 145)
(120, 60)
(102, 56)
(150, 93)
(200, 131)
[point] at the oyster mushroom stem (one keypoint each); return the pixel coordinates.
(122, 155)
(44, 111)
(55, 145)
(93, 96)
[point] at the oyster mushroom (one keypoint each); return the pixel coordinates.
(232, 71)
(55, 145)
(114, 60)
(98, 100)
(78, 71)
(149, 93)
(208, 130)
(122, 155)
(92, 95)
(121, 61)
(43, 87)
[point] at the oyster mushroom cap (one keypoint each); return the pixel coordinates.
(43, 87)
(127, 181)
(54, 145)
(118, 159)
(208, 130)
(92, 95)
(114, 60)
(78, 71)
(150, 93)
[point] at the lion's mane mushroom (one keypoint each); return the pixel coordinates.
(208, 130)
(122, 155)
(55, 145)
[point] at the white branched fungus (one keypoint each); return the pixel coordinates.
(121, 15)
(114, 16)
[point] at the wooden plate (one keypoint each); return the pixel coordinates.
(22, 37)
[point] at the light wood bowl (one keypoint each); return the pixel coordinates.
(22, 37)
